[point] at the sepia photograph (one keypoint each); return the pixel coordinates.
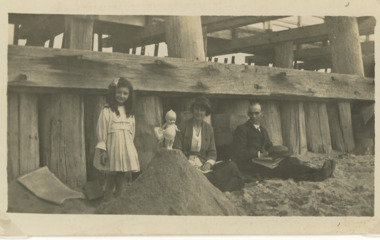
(172, 115)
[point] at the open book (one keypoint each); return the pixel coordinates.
(268, 161)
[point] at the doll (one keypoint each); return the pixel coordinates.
(168, 131)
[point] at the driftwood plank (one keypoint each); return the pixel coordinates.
(64, 68)
(346, 125)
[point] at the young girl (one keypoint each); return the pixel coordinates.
(115, 132)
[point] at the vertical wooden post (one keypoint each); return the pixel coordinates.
(184, 37)
(292, 115)
(272, 121)
(62, 137)
(148, 115)
(62, 117)
(317, 128)
(346, 58)
(93, 105)
(293, 127)
(23, 138)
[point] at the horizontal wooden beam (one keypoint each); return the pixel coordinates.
(44, 68)
(308, 54)
(234, 22)
(308, 34)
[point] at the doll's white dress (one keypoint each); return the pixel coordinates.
(115, 135)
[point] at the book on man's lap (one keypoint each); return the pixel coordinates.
(268, 161)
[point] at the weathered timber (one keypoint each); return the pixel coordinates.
(62, 137)
(23, 138)
(184, 37)
(148, 115)
(78, 33)
(13, 164)
(337, 141)
(306, 34)
(283, 55)
(346, 58)
(308, 54)
(272, 121)
(293, 127)
(63, 68)
(346, 124)
(317, 128)
(93, 104)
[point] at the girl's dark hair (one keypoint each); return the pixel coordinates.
(111, 96)
(203, 103)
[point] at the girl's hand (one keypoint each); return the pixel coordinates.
(206, 167)
(103, 157)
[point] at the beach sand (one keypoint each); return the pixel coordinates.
(350, 192)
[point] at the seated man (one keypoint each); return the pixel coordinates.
(251, 141)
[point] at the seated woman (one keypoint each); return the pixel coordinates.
(196, 140)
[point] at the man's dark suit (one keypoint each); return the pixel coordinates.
(248, 141)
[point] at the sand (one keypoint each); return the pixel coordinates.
(349, 193)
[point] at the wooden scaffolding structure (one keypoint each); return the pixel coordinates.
(55, 95)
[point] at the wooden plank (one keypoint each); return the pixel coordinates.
(307, 54)
(13, 166)
(62, 137)
(63, 68)
(148, 115)
(346, 125)
(317, 128)
(234, 22)
(28, 133)
(272, 121)
(139, 21)
(337, 141)
(293, 127)
(93, 104)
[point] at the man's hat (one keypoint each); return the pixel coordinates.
(279, 151)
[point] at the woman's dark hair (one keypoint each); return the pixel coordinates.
(203, 103)
(111, 96)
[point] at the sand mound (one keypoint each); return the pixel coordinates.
(170, 186)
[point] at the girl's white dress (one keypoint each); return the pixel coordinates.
(115, 135)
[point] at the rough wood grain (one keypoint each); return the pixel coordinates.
(346, 125)
(293, 127)
(346, 58)
(184, 37)
(283, 55)
(13, 165)
(28, 133)
(61, 68)
(272, 121)
(317, 128)
(62, 137)
(337, 141)
(148, 115)
(93, 105)
(78, 33)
